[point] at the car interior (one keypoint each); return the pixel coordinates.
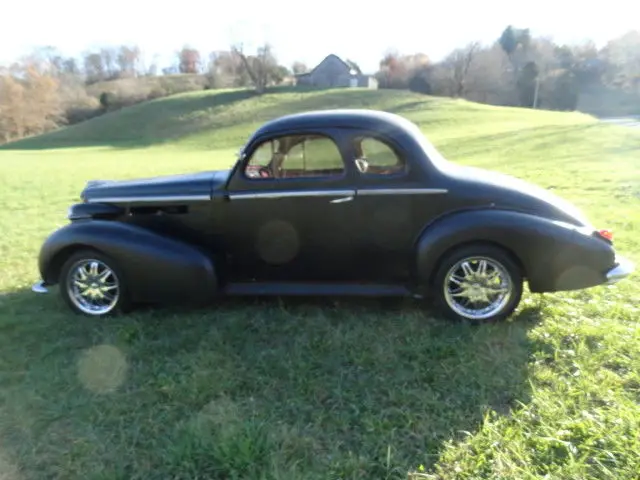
(309, 155)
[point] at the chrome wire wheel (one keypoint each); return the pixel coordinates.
(93, 287)
(478, 287)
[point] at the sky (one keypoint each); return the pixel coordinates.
(302, 30)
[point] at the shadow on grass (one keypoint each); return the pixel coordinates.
(264, 388)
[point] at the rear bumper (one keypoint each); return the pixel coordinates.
(623, 269)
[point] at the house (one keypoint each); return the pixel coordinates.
(335, 72)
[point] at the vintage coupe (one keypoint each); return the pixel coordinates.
(335, 202)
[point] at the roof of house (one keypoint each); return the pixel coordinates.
(350, 65)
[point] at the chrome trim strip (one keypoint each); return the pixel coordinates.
(39, 287)
(291, 194)
(402, 191)
(622, 270)
(156, 199)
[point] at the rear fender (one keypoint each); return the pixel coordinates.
(156, 268)
(553, 255)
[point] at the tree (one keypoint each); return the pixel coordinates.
(514, 40)
(622, 56)
(261, 68)
(128, 60)
(225, 70)
(109, 57)
(527, 84)
(459, 63)
(29, 102)
(396, 70)
(299, 68)
(94, 68)
(508, 41)
(12, 124)
(188, 60)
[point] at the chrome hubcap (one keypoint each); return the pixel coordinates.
(477, 287)
(93, 287)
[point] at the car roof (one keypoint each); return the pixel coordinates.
(376, 120)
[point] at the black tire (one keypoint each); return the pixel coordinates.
(495, 257)
(122, 302)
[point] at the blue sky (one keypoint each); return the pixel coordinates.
(300, 30)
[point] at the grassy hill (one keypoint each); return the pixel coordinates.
(318, 389)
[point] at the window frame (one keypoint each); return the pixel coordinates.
(259, 142)
(389, 143)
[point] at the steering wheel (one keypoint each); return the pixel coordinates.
(264, 172)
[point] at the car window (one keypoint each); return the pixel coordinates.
(375, 157)
(295, 156)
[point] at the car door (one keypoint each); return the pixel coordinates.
(291, 212)
(385, 206)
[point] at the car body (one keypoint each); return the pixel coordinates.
(333, 202)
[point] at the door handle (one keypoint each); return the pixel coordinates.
(343, 199)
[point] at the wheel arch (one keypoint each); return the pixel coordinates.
(157, 268)
(53, 268)
(553, 256)
(468, 243)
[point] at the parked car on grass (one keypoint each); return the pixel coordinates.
(337, 202)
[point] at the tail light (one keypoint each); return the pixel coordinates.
(606, 234)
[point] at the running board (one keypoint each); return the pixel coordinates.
(316, 289)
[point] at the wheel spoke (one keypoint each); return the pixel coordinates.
(462, 294)
(104, 275)
(466, 268)
(93, 269)
(482, 268)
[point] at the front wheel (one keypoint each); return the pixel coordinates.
(92, 284)
(478, 283)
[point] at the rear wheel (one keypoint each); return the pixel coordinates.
(92, 284)
(478, 283)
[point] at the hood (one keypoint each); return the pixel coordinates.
(510, 192)
(196, 185)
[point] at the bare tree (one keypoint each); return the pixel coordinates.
(261, 68)
(459, 62)
(29, 103)
(128, 60)
(94, 68)
(189, 60)
(109, 57)
(299, 68)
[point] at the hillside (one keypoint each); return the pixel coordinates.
(224, 118)
(287, 389)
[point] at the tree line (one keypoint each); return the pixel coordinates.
(520, 70)
(45, 89)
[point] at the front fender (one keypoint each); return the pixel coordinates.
(156, 268)
(553, 255)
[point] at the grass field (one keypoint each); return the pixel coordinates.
(318, 388)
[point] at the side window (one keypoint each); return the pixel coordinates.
(375, 157)
(296, 156)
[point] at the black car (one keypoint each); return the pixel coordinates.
(335, 202)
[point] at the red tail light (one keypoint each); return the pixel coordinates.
(606, 234)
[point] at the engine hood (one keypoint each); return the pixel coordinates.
(171, 187)
(505, 191)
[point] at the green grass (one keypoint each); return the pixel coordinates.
(318, 388)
